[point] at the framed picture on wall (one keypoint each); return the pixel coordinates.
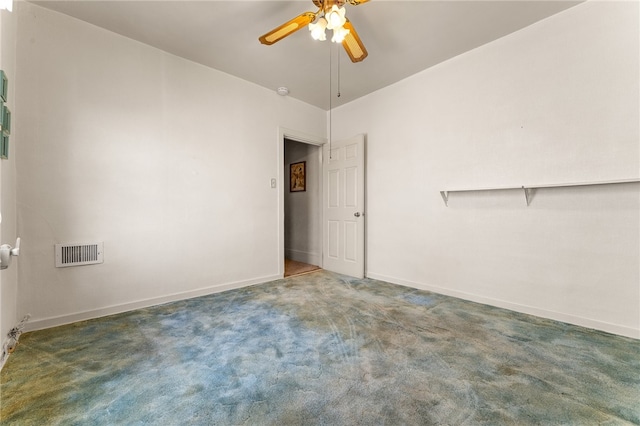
(297, 177)
(4, 146)
(6, 120)
(4, 83)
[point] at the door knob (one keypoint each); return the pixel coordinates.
(7, 252)
(357, 214)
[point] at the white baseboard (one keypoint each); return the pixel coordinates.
(303, 256)
(530, 310)
(39, 324)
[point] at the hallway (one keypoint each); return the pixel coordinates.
(293, 268)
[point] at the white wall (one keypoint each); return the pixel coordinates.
(151, 153)
(166, 161)
(8, 277)
(555, 102)
(302, 210)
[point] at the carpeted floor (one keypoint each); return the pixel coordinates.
(321, 348)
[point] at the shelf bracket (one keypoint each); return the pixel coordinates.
(528, 193)
(445, 197)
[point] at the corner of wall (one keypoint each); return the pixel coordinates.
(8, 277)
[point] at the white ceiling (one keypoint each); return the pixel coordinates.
(402, 37)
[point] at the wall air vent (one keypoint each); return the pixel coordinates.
(79, 254)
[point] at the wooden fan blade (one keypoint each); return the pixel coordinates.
(287, 28)
(353, 45)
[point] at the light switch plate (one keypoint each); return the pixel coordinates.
(273, 182)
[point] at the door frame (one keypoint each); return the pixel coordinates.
(301, 137)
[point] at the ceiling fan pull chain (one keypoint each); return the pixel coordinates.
(338, 73)
(330, 89)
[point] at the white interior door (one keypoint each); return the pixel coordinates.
(343, 207)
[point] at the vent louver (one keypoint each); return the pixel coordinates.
(79, 254)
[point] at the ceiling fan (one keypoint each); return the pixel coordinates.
(330, 15)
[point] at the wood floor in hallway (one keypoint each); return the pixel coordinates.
(293, 268)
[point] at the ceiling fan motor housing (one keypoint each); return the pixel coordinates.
(327, 4)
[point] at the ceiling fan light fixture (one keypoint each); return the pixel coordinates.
(6, 5)
(336, 17)
(318, 29)
(339, 34)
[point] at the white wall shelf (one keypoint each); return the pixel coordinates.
(528, 189)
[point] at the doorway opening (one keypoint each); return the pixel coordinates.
(302, 207)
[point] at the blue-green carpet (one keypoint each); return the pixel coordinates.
(326, 349)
